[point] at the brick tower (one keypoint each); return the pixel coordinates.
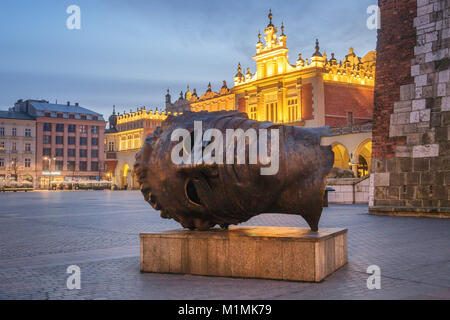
(411, 147)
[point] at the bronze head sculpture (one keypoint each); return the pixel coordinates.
(200, 193)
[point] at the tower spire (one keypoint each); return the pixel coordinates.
(270, 18)
(317, 53)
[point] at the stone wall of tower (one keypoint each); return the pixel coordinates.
(411, 147)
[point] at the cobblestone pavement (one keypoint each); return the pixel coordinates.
(42, 233)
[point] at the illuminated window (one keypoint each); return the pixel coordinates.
(292, 110)
(272, 111)
(253, 113)
(123, 143)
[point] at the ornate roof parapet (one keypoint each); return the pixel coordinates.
(143, 114)
(317, 59)
(300, 61)
(353, 70)
(239, 77)
(224, 89)
(209, 93)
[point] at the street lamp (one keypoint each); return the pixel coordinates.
(50, 180)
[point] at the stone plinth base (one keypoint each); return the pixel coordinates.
(294, 254)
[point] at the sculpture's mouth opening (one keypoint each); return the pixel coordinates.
(191, 193)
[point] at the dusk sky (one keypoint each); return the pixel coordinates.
(128, 53)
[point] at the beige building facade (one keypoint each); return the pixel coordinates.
(17, 149)
(123, 139)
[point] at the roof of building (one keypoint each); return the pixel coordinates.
(15, 115)
(43, 106)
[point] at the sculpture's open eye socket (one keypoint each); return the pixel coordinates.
(191, 193)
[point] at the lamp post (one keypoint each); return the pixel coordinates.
(50, 180)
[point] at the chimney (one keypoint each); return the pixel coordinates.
(77, 104)
(68, 103)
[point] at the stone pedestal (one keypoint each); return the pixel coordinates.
(293, 254)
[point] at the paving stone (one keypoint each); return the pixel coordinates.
(43, 233)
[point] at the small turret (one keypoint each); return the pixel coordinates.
(168, 99)
(113, 120)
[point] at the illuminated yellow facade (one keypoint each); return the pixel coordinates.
(313, 92)
(124, 139)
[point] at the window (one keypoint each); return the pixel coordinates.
(59, 139)
(59, 152)
(94, 153)
(95, 118)
(272, 112)
(94, 141)
(83, 129)
(59, 115)
(28, 147)
(47, 152)
(60, 127)
(71, 165)
(71, 128)
(27, 132)
(71, 116)
(45, 165)
(83, 166)
(83, 141)
(14, 146)
(71, 140)
(292, 110)
(94, 166)
(253, 113)
(48, 114)
(83, 117)
(2, 145)
(14, 132)
(47, 127)
(111, 146)
(2, 162)
(94, 129)
(59, 165)
(47, 139)
(27, 163)
(71, 153)
(2, 132)
(83, 153)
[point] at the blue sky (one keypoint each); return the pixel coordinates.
(128, 53)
